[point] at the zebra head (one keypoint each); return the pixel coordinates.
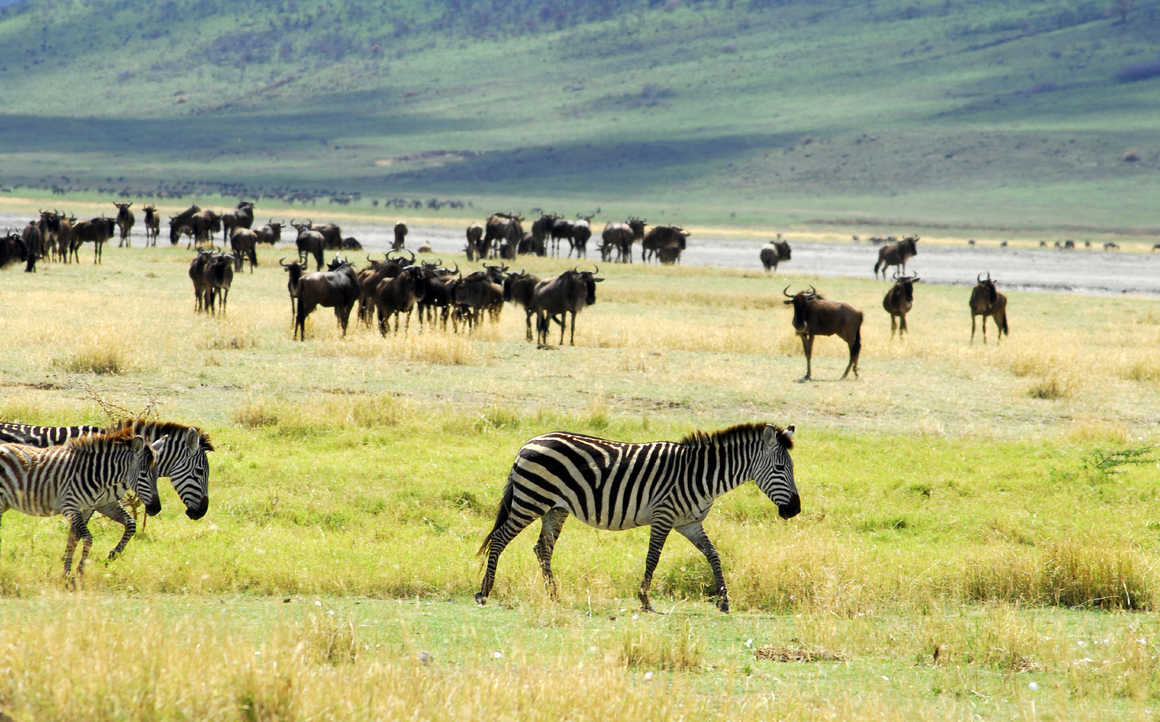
(145, 486)
(773, 470)
(187, 467)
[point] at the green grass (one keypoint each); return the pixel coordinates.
(923, 114)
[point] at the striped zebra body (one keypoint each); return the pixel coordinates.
(614, 485)
(74, 478)
(183, 460)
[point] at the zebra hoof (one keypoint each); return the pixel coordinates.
(480, 599)
(723, 605)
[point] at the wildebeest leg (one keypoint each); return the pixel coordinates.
(550, 526)
(972, 328)
(901, 325)
(696, 534)
(807, 347)
(572, 332)
(656, 541)
(984, 328)
(855, 349)
(528, 322)
(892, 327)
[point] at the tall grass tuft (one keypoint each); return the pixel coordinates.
(676, 650)
(327, 638)
(102, 359)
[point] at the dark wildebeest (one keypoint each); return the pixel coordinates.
(637, 225)
(474, 240)
(197, 274)
(987, 301)
(97, 231)
(659, 237)
(439, 293)
(615, 237)
(12, 249)
(205, 223)
(331, 234)
(774, 253)
(561, 229)
(152, 225)
(567, 293)
(400, 236)
(182, 222)
(336, 287)
(240, 217)
(34, 242)
(310, 242)
(66, 246)
(670, 253)
(243, 243)
(500, 227)
(581, 232)
(895, 254)
(520, 288)
(898, 301)
(478, 292)
(816, 316)
(49, 227)
(270, 233)
(396, 296)
(295, 270)
(541, 230)
(125, 221)
(350, 243)
(219, 277)
(369, 278)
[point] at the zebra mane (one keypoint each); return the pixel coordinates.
(740, 431)
(163, 428)
(90, 442)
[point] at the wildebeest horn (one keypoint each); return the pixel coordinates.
(988, 275)
(456, 267)
(595, 269)
(786, 292)
(979, 278)
(282, 261)
(813, 291)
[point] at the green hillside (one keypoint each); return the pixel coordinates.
(939, 113)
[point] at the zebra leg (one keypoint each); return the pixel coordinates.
(496, 543)
(695, 533)
(77, 530)
(550, 525)
(117, 513)
(656, 541)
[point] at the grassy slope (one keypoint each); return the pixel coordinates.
(975, 115)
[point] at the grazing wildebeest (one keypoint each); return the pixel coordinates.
(774, 253)
(816, 316)
(97, 231)
(520, 288)
(243, 243)
(670, 253)
(125, 221)
(898, 301)
(474, 241)
(438, 293)
(1111, 246)
(581, 232)
(896, 254)
(396, 296)
(240, 217)
(294, 270)
(350, 243)
(567, 293)
(659, 237)
(987, 301)
(616, 237)
(400, 236)
(270, 233)
(152, 225)
(336, 287)
(310, 242)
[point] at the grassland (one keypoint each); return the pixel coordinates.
(973, 540)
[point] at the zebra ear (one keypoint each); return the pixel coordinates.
(137, 444)
(192, 439)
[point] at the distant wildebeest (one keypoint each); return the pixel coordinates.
(637, 225)
(152, 225)
(294, 269)
(13, 249)
(1156, 247)
(670, 253)
(561, 230)
(896, 254)
(474, 240)
(240, 217)
(212, 275)
(1111, 246)
(396, 296)
(500, 227)
(370, 276)
(310, 242)
(554, 299)
(336, 287)
(987, 301)
(49, 227)
(400, 236)
(581, 232)
(615, 238)
(659, 237)
(814, 315)
(330, 233)
(96, 231)
(520, 288)
(34, 243)
(541, 231)
(125, 221)
(1069, 245)
(1043, 244)
(271, 233)
(774, 252)
(243, 243)
(898, 301)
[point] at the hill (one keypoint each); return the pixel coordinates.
(886, 112)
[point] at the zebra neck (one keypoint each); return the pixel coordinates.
(718, 468)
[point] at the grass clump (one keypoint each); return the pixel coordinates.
(1053, 388)
(674, 650)
(327, 638)
(98, 359)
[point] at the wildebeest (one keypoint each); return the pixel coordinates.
(240, 217)
(478, 292)
(12, 249)
(616, 237)
(242, 243)
(474, 240)
(581, 232)
(438, 292)
(96, 231)
(152, 225)
(212, 275)
(294, 269)
(125, 221)
(814, 315)
(336, 287)
(34, 243)
(659, 237)
(520, 288)
(370, 276)
(898, 301)
(541, 231)
(400, 236)
(1111, 246)
(1156, 247)
(567, 293)
(896, 254)
(986, 300)
(774, 253)
(670, 252)
(49, 227)
(310, 242)
(396, 296)
(500, 227)
(270, 233)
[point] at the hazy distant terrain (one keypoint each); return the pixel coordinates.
(998, 115)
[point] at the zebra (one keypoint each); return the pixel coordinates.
(184, 461)
(74, 478)
(614, 485)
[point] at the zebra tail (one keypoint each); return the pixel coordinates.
(501, 517)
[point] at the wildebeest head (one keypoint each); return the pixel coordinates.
(908, 245)
(988, 286)
(295, 270)
(590, 279)
(906, 283)
(801, 302)
(336, 263)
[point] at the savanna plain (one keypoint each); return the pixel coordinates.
(978, 537)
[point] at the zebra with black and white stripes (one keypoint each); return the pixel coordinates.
(614, 485)
(74, 478)
(183, 461)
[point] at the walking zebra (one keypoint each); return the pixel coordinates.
(74, 478)
(614, 485)
(183, 461)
